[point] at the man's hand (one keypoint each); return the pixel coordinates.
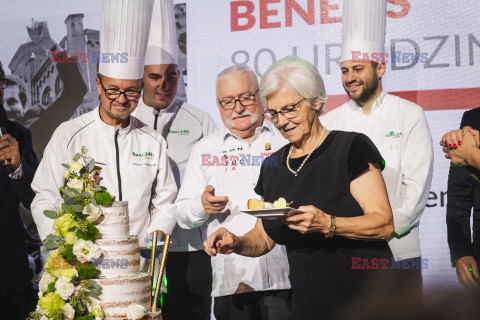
(221, 241)
(211, 203)
(9, 150)
(467, 271)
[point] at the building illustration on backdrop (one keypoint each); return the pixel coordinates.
(37, 80)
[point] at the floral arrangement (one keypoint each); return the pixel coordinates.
(66, 287)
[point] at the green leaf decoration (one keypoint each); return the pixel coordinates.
(64, 207)
(51, 287)
(93, 201)
(71, 201)
(82, 307)
(50, 214)
(66, 166)
(52, 242)
(103, 198)
(77, 208)
(85, 194)
(91, 165)
(96, 187)
(68, 192)
(69, 253)
(87, 271)
(75, 192)
(72, 229)
(77, 156)
(94, 285)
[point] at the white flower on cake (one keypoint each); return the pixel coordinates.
(86, 249)
(68, 311)
(75, 167)
(75, 184)
(45, 280)
(66, 174)
(135, 311)
(97, 312)
(44, 317)
(64, 288)
(93, 212)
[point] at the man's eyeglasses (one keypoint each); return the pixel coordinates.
(288, 112)
(114, 94)
(245, 100)
(3, 83)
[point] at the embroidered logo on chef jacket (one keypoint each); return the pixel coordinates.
(393, 135)
(143, 159)
(392, 140)
(179, 132)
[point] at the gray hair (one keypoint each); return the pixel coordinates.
(299, 75)
(236, 71)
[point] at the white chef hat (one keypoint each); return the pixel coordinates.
(363, 28)
(124, 30)
(162, 41)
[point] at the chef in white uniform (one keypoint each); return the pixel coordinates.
(397, 127)
(188, 267)
(133, 157)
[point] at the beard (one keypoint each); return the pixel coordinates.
(368, 89)
(119, 116)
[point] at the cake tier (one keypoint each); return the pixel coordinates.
(120, 257)
(118, 293)
(114, 222)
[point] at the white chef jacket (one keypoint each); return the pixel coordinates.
(182, 125)
(141, 173)
(399, 130)
(236, 179)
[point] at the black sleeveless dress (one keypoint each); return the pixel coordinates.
(324, 273)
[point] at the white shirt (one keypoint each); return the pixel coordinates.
(236, 179)
(182, 125)
(399, 130)
(145, 178)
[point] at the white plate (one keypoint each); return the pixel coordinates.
(272, 214)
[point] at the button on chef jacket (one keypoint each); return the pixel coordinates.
(232, 166)
(399, 130)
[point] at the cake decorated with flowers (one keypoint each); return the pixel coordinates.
(93, 268)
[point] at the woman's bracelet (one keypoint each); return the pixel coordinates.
(332, 227)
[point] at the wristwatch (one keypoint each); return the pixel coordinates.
(332, 228)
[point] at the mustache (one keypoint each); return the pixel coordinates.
(244, 113)
(359, 82)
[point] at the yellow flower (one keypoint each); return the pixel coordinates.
(280, 203)
(70, 237)
(76, 167)
(52, 304)
(64, 223)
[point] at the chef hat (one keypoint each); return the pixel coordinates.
(363, 29)
(124, 30)
(162, 41)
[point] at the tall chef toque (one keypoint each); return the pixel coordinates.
(363, 30)
(162, 41)
(124, 30)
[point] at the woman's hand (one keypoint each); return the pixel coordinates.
(313, 220)
(459, 153)
(221, 241)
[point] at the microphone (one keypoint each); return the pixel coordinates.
(3, 130)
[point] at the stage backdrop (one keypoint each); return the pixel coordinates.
(48, 49)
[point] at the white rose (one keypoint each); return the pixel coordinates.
(94, 213)
(97, 312)
(76, 167)
(64, 288)
(68, 311)
(135, 311)
(75, 184)
(66, 174)
(70, 237)
(39, 309)
(45, 280)
(85, 249)
(44, 317)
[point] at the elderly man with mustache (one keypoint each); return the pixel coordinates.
(219, 179)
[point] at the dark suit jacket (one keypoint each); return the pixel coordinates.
(463, 194)
(14, 271)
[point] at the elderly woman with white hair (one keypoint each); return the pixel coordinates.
(335, 178)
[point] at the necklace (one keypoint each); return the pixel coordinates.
(306, 158)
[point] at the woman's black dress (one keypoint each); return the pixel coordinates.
(323, 272)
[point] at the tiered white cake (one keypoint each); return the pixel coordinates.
(122, 283)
